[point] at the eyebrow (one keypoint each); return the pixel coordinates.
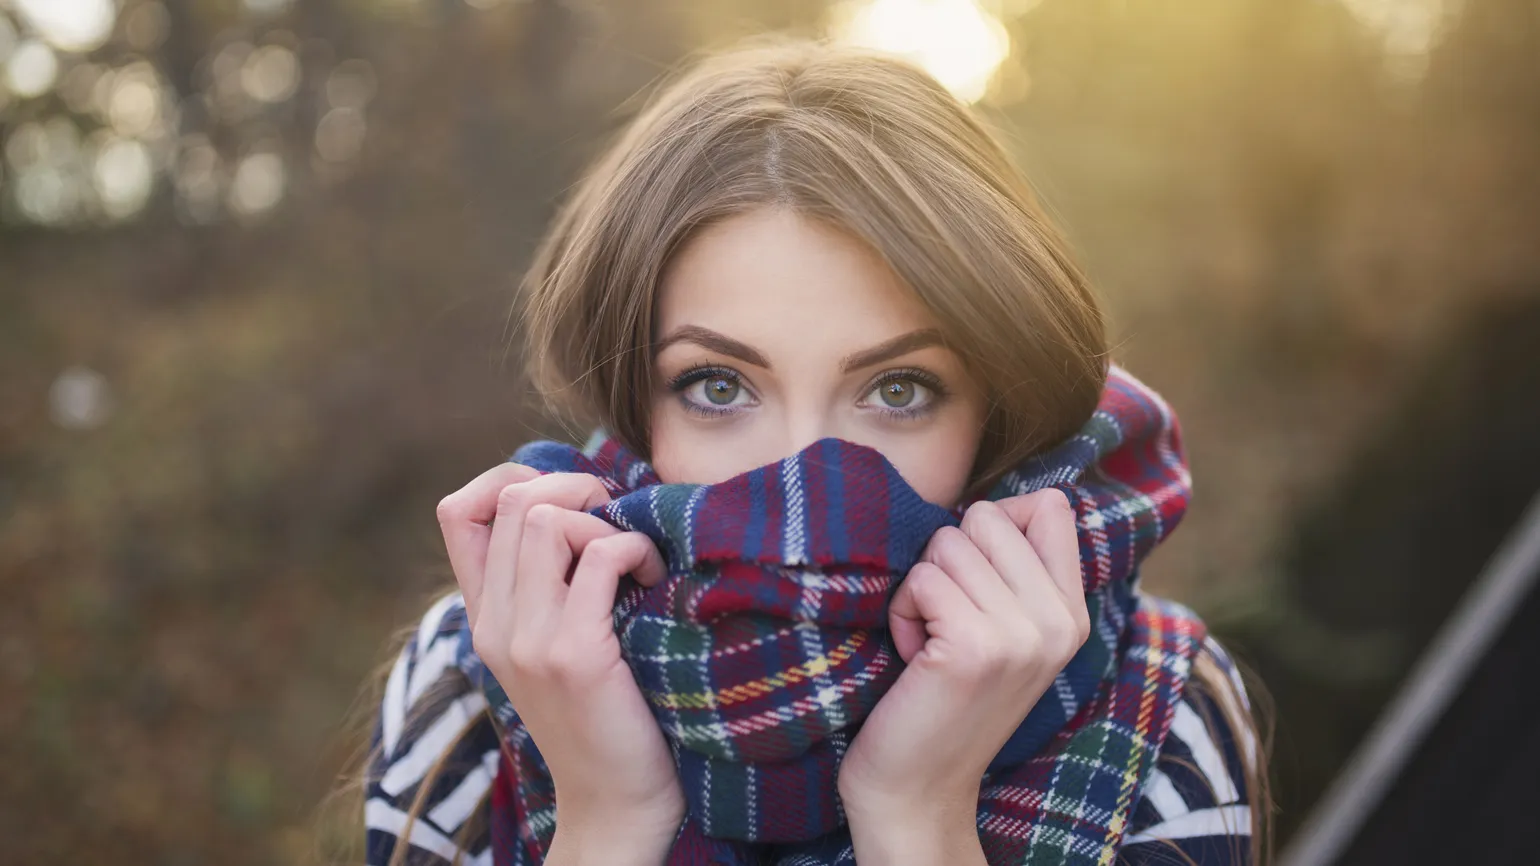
(719, 342)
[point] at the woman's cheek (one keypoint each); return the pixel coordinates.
(684, 454)
(937, 469)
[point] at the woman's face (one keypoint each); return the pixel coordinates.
(774, 331)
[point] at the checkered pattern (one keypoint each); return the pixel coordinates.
(766, 647)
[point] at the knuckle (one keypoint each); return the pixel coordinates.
(980, 655)
(604, 553)
(1056, 500)
(1027, 647)
(983, 509)
(486, 645)
(542, 517)
(947, 540)
(951, 535)
(924, 579)
(1082, 625)
(568, 659)
(1065, 635)
(512, 498)
(528, 658)
(596, 486)
(1057, 636)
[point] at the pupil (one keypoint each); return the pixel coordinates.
(721, 387)
(898, 393)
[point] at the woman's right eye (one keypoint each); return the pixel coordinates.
(711, 391)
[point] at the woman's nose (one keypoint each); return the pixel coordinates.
(801, 432)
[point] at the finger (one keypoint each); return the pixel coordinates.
(595, 581)
(958, 555)
(1008, 550)
(547, 550)
(547, 571)
(575, 491)
(928, 602)
(545, 558)
(1048, 521)
(464, 517)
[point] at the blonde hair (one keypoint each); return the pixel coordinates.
(866, 143)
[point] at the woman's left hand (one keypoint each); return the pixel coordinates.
(986, 620)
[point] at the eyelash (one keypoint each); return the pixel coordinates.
(690, 375)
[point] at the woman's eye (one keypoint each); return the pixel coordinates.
(901, 394)
(897, 393)
(721, 390)
(711, 392)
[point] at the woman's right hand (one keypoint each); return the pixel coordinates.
(514, 536)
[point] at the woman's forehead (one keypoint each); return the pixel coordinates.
(771, 273)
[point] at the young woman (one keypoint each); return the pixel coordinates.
(848, 569)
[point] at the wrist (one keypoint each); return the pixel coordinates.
(897, 831)
(640, 839)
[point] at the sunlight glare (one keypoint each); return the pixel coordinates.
(1408, 29)
(956, 41)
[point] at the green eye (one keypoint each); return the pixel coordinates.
(897, 393)
(712, 392)
(905, 394)
(721, 390)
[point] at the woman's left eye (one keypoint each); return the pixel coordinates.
(903, 395)
(898, 393)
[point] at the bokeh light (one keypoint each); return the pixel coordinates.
(134, 104)
(1409, 29)
(340, 134)
(197, 179)
(70, 25)
(351, 84)
(258, 184)
(266, 7)
(123, 176)
(211, 126)
(31, 69)
(147, 25)
(957, 41)
(80, 399)
(270, 74)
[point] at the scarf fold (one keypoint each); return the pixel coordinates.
(767, 646)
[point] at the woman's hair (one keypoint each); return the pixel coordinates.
(863, 142)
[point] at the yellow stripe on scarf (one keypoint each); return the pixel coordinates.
(763, 686)
(1133, 771)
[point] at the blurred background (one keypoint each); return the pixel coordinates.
(256, 263)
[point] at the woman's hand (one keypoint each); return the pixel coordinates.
(539, 583)
(986, 620)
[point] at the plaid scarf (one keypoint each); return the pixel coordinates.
(766, 646)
